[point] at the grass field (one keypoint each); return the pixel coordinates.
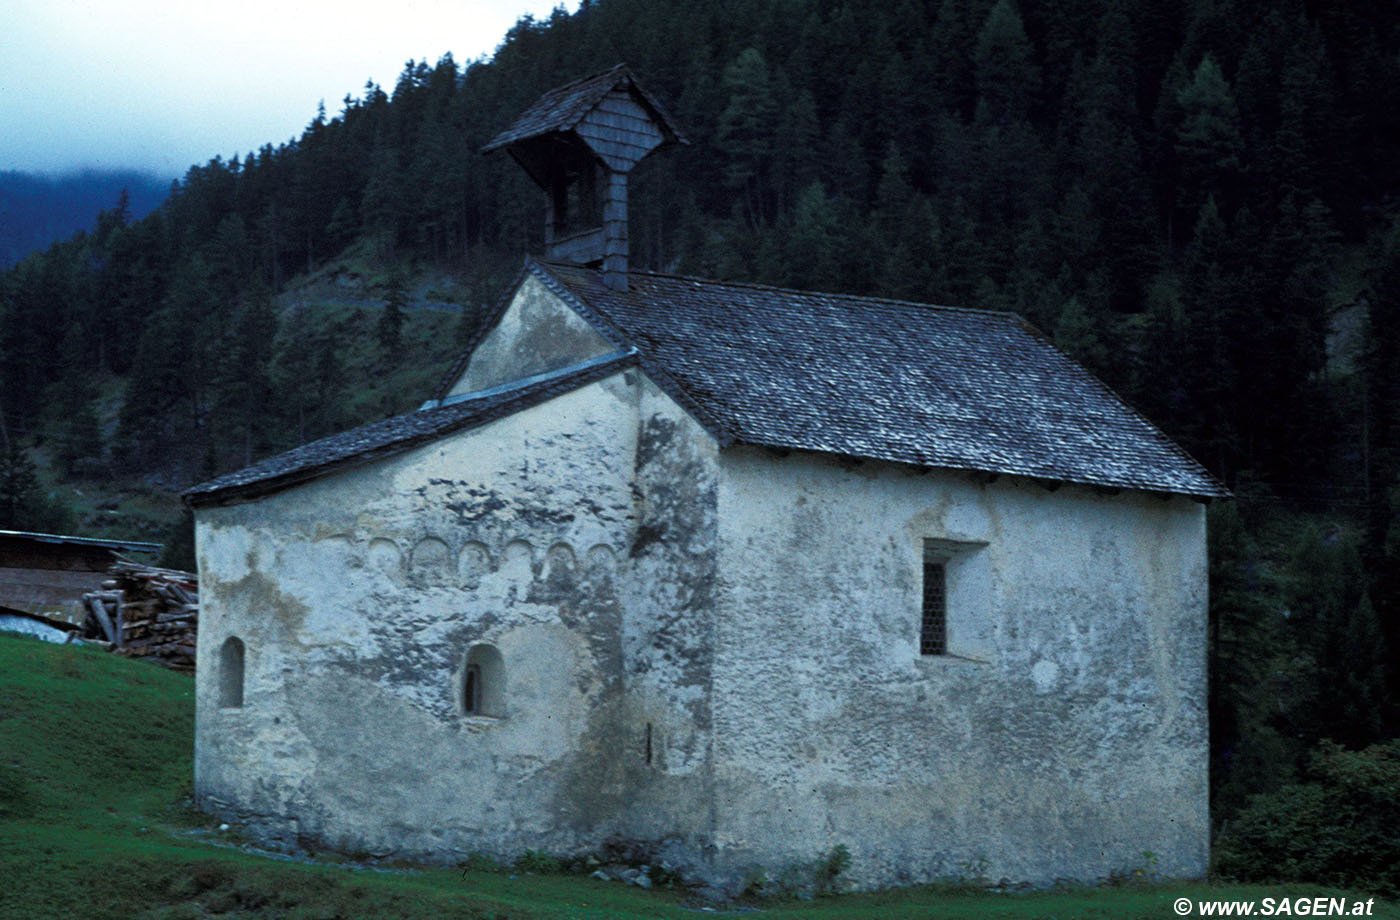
(95, 822)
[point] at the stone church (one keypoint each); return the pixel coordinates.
(743, 572)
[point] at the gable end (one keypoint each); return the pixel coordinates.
(668, 384)
(536, 333)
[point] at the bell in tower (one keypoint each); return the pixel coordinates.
(579, 142)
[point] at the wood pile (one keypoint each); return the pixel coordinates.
(146, 612)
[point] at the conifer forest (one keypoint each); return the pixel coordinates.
(1199, 199)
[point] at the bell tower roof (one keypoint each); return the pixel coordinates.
(578, 142)
(609, 114)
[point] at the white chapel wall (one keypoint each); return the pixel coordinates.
(535, 334)
(358, 597)
(1066, 739)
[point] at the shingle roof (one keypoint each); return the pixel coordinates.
(400, 433)
(855, 376)
(880, 379)
(565, 106)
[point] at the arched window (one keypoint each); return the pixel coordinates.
(231, 674)
(471, 689)
(483, 682)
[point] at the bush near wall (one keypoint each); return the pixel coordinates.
(1340, 826)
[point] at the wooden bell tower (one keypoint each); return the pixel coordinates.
(579, 142)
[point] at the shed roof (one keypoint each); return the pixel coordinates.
(563, 107)
(55, 539)
(400, 433)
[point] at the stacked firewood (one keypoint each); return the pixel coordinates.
(146, 612)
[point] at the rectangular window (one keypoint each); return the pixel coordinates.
(933, 633)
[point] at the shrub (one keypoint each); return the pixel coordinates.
(755, 883)
(480, 862)
(1340, 826)
(538, 862)
(1143, 873)
(829, 869)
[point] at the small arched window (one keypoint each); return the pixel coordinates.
(471, 689)
(483, 682)
(231, 673)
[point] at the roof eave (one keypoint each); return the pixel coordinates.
(1209, 491)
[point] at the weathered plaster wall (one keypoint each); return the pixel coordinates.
(1071, 739)
(358, 597)
(667, 602)
(535, 334)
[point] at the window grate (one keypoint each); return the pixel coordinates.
(933, 635)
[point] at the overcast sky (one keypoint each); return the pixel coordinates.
(159, 85)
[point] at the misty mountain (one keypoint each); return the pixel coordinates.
(36, 210)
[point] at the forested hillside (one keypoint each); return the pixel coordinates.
(1198, 198)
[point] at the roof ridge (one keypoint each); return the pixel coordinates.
(778, 289)
(513, 386)
(579, 81)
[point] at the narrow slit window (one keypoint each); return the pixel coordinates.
(483, 682)
(231, 674)
(933, 632)
(471, 689)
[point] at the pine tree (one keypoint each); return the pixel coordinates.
(901, 229)
(391, 318)
(78, 432)
(1008, 80)
(246, 381)
(1208, 138)
(382, 204)
(1246, 647)
(813, 242)
(19, 488)
(1077, 333)
(797, 135)
(1331, 613)
(746, 132)
(1306, 141)
(1208, 295)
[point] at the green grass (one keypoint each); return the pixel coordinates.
(95, 765)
